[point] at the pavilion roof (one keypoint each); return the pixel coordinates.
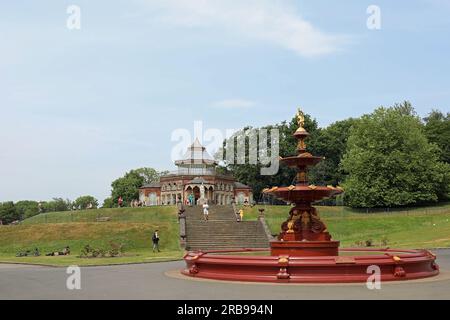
(151, 185)
(238, 185)
(196, 154)
(198, 180)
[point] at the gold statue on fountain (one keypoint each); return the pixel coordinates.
(300, 120)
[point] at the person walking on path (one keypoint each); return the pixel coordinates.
(205, 211)
(241, 214)
(155, 240)
(238, 216)
(120, 202)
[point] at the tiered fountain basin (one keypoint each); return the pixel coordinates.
(304, 159)
(303, 193)
(351, 265)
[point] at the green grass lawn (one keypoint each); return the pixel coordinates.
(415, 228)
(131, 227)
(148, 214)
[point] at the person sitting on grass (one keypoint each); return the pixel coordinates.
(64, 252)
(23, 254)
(27, 253)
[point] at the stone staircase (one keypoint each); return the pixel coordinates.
(222, 231)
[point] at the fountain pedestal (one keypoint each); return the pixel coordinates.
(304, 248)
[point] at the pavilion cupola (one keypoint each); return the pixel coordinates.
(196, 160)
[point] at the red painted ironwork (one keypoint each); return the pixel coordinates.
(304, 250)
(235, 265)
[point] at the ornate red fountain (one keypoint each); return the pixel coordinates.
(303, 234)
(304, 250)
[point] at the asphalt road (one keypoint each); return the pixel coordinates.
(161, 281)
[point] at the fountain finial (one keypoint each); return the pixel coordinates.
(300, 119)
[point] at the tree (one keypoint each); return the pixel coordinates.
(27, 209)
(390, 162)
(437, 130)
(250, 174)
(149, 174)
(108, 203)
(331, 143)
(57, 204)
(84, 202)
(8, 212)
(127, 187)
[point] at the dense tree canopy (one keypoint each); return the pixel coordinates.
(27, 208)
(8, 212)
(108, 203)
(149, 174)
(437, 130)
(128, 186)
(390, 162)
(84, 202)
(57, 204)
(331, 143)
(250, 174)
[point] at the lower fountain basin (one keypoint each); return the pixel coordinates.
(351, 265)
(304, 248)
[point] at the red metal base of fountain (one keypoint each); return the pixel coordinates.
(353, 265)
(304, 248)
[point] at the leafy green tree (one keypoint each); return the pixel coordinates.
(391, 163)
(108, 203)
(250, 174)
(8, 212)
(437, 130)
(127, 187)
(27, 209)
(84, 202)
(57, 204)
(331, 143)
(149, 174)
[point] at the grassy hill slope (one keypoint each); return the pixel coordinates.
(131, 227)
(427, 227)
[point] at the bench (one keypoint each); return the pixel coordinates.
(103, 219)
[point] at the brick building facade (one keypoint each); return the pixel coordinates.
(196, 176)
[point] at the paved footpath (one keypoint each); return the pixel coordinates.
(162, 281)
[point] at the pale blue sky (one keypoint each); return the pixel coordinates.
(81, 107)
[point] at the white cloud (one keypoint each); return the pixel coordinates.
(275, 22)
(234, 104)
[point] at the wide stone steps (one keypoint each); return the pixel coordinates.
(230, 241)
(225, 237)
(221, 231)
